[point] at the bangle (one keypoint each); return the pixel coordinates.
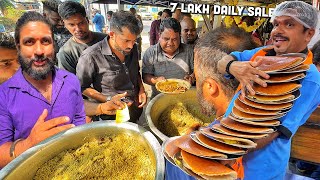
(12, 148)
(228, 66)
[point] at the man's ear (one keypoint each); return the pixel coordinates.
(311, 33)
(111, 34)
(210, 87)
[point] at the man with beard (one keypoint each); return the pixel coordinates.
(75, 20)
(168, 58)
(50, 11)
(294, 25)
(39, 100)
(8, 57)
(188, 31)
(112, 66)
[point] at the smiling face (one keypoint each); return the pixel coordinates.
(289, 36)
(78, 26)
(169, 41)
(8, 63)
(36, 50)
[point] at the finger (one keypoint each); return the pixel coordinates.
(261, 74)
(118, 103)
(43, 116)
(259, 81)
(250, 89)
(118, 96)
(58, 129)
(243, 93)
(55, 122)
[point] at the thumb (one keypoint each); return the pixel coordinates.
(43, 116)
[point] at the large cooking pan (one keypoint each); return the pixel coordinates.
(26, 165)
(159, 103)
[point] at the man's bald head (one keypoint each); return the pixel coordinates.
(188, 31)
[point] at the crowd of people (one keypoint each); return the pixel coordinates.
(59, 74)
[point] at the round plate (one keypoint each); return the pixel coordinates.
(173, 86)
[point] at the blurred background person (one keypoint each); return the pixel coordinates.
(98, 21)
(50, 11)
(139, 39)
(188, 31)
(155, 26)
(109, 16)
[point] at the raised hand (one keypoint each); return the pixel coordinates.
(44, 129)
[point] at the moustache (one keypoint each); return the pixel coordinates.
(38, 59)
(280, 36)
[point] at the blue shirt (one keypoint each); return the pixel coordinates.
(271, 161)
(98, 21)
(21, 104)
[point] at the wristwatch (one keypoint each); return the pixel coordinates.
(108, 98)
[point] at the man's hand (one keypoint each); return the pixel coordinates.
(44, 129)
(246, 73)
(114, 104)
(142, 98)
(190, 78)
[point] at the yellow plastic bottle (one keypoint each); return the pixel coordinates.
(122, 115)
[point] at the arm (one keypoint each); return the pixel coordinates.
(148, 68)
(94, 94)
(153, 33)
(142, 93)
(244, 72)
(41, 130)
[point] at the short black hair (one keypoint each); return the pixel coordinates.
(110, 13)
(168, 11)
(316, 53)
(160, 13)
(51, 5)
(124, 19)
(230, 39)
(170, 23)
(7, 41)
(30, 16)
(70, 8)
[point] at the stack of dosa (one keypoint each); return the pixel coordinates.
(253, 117)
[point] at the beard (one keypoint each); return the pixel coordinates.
(206, 107)
(118, 48)
(40, 73)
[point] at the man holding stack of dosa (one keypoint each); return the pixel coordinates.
(294, 25)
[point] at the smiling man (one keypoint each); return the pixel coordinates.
(294, 25)
(169, 58)
(39, 100)
(112, 65)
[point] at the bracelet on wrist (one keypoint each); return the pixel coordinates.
(228, 66)
(12, 148)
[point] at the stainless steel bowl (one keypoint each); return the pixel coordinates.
(26, 165)
(159, 103)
